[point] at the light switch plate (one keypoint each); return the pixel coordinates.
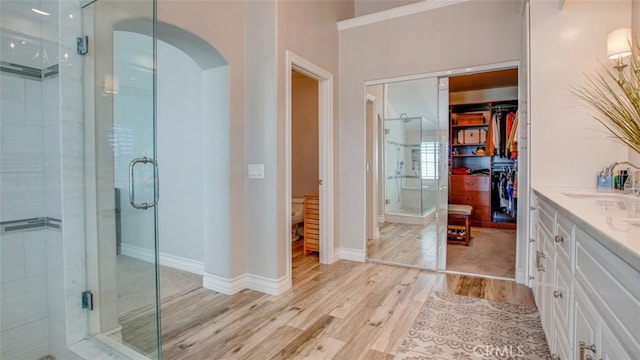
(256, 171)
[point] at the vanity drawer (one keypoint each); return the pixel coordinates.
(563, 238)
(470, 183)
(611, 284)
(562, 294)
(546, 215)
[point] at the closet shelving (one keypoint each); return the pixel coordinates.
(470, 137)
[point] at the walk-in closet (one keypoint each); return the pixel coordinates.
(483, 172)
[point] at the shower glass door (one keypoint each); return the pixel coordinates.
(77, 106)
(120, 89)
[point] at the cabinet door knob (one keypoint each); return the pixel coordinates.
(469, 198)
(559, 239)
(557, 294)
(555, 357)
(583, 346)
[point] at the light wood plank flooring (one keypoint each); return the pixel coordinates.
(346, 310)
(491, 251)
(405, 244)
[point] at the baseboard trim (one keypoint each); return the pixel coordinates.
(520, 277)
(223, 285)
(351, 254)
(172, 261)
(245, 281)
(266, 285)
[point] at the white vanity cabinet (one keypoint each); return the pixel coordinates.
(587, 296)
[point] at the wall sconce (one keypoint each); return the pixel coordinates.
(618, 48)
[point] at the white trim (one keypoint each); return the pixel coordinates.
(351, 254)
(397, 12)
(326, 144)
(266, 285)
(521, 276)
(223, 285)
(172, 261)
(373, 227)
(445, 73)
(245, 281)
(382, 218)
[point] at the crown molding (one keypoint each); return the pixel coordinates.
(400, 11)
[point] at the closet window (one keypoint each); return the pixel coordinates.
(429, 152)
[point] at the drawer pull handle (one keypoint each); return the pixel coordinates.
(559, 239)
(469, 198)
(557, 294)
(583, 346)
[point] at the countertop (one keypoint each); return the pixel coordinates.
(612, 219)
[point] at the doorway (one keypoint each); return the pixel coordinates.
(305, 168)
(325, 157)
(483, 174)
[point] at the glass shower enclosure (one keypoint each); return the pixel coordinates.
(412, 155)
(65, 291)
(412, 152)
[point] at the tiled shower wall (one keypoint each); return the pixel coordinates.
(28, 178)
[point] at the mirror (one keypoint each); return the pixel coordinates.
(405, 162)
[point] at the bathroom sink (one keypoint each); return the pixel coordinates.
(599, 196)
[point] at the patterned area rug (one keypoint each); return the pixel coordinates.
(454, 327)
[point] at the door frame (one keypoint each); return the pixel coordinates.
(372, 170)
(325, 151)
(522, 248)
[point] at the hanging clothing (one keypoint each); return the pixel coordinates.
(497, 116)
(512, 140)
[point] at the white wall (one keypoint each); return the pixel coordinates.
(454, 37)
(568, 147)
(222, 24)
(304, 136)
(634, 157)
(192, 155)
(180, 155)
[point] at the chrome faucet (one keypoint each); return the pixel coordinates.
(633, 179)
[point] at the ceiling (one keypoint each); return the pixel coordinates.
(485, 80)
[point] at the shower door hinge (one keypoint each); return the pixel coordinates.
(82, 43)
(386, 131)
(87, 300)
(387, 201)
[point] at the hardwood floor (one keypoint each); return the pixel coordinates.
(491, 251)
(346, 310)
(405, 244)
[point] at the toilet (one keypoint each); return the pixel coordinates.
(297, 218)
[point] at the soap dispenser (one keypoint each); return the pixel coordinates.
(604, 180)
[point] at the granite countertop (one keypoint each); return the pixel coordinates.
(612, 219)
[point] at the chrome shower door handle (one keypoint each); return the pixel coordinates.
(132, 191)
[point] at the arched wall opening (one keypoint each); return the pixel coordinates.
(192, 147)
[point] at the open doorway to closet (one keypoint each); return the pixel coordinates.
(305, 172)
(483, 173)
